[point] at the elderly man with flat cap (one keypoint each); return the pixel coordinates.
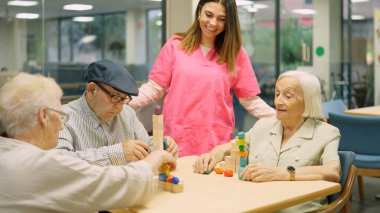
(102, 128)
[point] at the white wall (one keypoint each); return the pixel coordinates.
(179, 16)
(12, 44)
(136, 37)
(327, 34)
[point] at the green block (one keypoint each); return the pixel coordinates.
(207, 172)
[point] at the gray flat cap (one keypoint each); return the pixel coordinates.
(113, 74)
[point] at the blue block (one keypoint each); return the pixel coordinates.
(162, 177)
(243, 161)
(175, 180)
(239, 172)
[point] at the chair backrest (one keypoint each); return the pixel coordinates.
(346, 160)
(360, 134)
(340, 202)
(334, 106)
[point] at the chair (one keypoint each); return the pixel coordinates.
(334, 106)
(341, 200)
(360, 134)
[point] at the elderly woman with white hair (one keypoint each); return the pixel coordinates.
(295, 145)
(36, 180)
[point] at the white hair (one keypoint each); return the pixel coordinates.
(311, 89)
(21, 98)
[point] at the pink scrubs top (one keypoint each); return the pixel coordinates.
(198, 111)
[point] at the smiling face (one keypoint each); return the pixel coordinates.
(212, 20)
(289, 101)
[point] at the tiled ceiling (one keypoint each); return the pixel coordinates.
(53, 8)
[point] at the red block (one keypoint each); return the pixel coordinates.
(228, 173)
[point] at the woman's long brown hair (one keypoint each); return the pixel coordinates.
(227, 44)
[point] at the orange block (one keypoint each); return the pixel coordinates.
(169, 179)
(243, 153)
(219, 171)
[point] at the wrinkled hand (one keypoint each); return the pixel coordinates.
(135, 150)
(172, 146)
(207, 161)
(258, 173)
(156, 158)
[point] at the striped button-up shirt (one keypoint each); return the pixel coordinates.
(85, 136)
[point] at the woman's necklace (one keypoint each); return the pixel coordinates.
(205, 48)
(207, 45)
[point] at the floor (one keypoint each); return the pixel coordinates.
(369, 204)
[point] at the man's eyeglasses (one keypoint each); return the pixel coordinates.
(115, 98)
(63, 117)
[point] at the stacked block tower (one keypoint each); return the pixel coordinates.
(243, 153)
(165, 181)
(238, 159)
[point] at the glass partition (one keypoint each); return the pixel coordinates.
(59, 39)
(359, 37)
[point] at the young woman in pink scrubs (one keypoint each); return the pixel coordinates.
(197, 70)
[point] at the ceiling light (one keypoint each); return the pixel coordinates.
(78, 7)
(83, 19)
(304, 11)
(243, 2)
(260, 6)
(252, 10)
(88, 39)
(27, 15)
(358, 1)
(22, 3)
(357, 17)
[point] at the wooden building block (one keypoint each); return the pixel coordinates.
(177, 188)
(158, 128)
(161, 186)
(168, 186)
(227, 159)
(234, 147)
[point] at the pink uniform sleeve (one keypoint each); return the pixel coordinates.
(245, 83)
(161, 72)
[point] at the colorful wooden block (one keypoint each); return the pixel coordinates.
(243, 153)
(228, 173)
(169, 178)
(175, 180)
(240, 170)
(219, 170)
(162, 177)
(243, 162)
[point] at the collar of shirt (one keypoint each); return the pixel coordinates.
(91, 114)
(306, 131)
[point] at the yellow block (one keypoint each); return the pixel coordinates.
(177, 188)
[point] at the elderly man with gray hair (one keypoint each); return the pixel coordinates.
(36, 180)
(103, 129)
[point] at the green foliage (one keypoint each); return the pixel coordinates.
(292, 36)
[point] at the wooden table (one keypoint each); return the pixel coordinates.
(216, 193)
(371, 111)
